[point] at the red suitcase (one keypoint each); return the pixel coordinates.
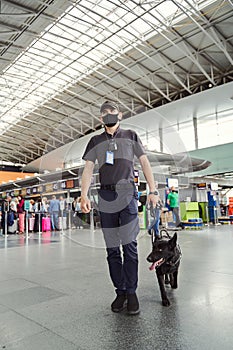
(46, 224)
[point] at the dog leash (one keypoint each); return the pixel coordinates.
(153, 236)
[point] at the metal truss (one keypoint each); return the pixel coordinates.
(60, 60)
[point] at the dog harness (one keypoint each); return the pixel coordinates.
(174, 263)
(177, 256)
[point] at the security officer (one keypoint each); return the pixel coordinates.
(114, 149)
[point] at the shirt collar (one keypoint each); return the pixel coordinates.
(114, 134)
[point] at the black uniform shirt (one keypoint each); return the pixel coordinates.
(128, 145)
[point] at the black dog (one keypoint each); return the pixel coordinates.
(165, 258)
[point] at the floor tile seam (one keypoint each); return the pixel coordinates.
(222, 273)
(40, 325)
(28, 245)
(35, 285)
(39, 333)
(35, 304)
(23, 279)
(16, 278)
(82, 244)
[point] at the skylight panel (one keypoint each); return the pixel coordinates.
(89, 34)
(166, 9)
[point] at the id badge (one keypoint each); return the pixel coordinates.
(109, 157)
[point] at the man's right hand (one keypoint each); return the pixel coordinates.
(85, 204)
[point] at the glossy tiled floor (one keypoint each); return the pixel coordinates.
(55, 293)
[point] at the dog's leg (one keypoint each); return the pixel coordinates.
(171, 279)
(167, 280)
(174, 283)
(165, 300)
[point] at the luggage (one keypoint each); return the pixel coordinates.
(12, 229)
(46, 224)
(38, 222)
(78, 220)
(31, 223)
(62, 223)
(10, 218)
(21, 222)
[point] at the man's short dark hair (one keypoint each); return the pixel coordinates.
(109, 104)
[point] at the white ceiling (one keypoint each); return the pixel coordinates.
(133, 51)
(218, 99)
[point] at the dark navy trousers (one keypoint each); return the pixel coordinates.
(124, 271)
(119, 222)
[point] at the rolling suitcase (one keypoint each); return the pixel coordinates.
(12, 229)
(62, 223)
(46, 224)
(31, 223)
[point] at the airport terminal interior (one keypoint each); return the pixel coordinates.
(168, 65)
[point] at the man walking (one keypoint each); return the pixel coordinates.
(114, 150)
(173, 202)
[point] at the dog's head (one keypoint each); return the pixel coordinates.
(163, 250)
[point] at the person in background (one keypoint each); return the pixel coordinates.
(44, 205)
(13, 207)
(155, 213)
(73, 206)
(63, 219)
(14, 203)
(5, 207)
(114, 149)
(38, 215)
(31, 206)
(63, 205)
(173, 202)
(54, 209)
(12, 217)
(79, 213)
(21, 214)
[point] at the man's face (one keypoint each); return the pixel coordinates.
(109, 111)
(110, 116)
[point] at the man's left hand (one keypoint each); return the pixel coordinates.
(152, 198)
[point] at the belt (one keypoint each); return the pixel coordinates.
(108, 187)
(117, 187)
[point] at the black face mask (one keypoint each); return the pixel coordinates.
(110, 120)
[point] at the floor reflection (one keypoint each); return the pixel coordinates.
(33, 238)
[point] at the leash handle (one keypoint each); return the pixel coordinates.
(152, 237)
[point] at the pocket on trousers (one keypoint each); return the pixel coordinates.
(133, 206)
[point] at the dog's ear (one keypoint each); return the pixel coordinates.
(155, 239)
(173, 240)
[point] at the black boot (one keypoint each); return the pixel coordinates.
(133, 304)
(119, 303)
